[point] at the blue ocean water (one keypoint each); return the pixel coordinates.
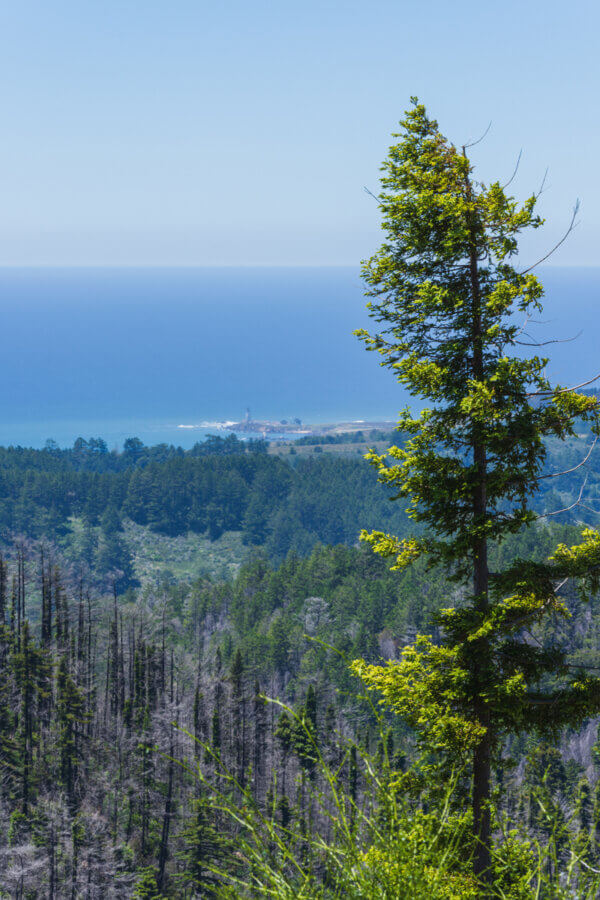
(122, 352)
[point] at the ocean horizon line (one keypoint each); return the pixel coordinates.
(170, 266)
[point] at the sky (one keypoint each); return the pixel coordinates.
(244, 133)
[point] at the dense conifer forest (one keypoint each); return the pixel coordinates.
(281, 502)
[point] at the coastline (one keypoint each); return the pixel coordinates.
(284, 430)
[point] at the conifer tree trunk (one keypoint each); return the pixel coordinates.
(145, 798)
(3, 576)
(259, 749)
(482, 752)
(75, 860)
(45, 632)
(80, 639)
(164, 840)
(121, 671)
(21, 581)
(90, 689)
(15, 619)
(52, 861)
(26, 719)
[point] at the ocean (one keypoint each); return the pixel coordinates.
(165, 354)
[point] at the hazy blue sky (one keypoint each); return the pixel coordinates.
(243, 132)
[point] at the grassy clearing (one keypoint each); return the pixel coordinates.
(155, 556)
(185, 557)
(356, 449)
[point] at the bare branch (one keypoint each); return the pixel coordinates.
(589, 509)
(578, 466)
(514, 174)
(526, 333)
(523, 326)
(541, 189)
(564, 390)
(566, 508)
(479, 140)
(544, 343)
(371, 194)
(556, 246)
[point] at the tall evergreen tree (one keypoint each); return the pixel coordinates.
(3, 591)
(444, 289)
(70, 713)
(284, 733)
(204, 847)
(583, 806)
(26, 667)
(238, 717)
(259, 753)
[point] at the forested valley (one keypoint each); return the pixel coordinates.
(287, 502)
(281, 503)
(147, 727)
